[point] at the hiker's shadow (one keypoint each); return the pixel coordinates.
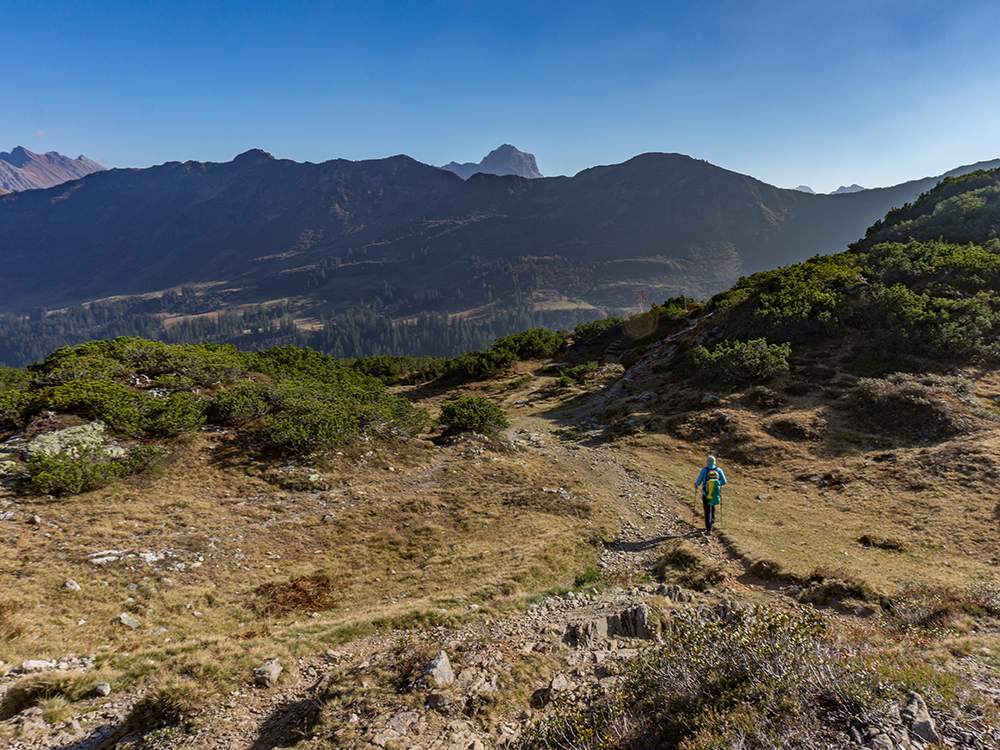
(288, 724)
(640, 546)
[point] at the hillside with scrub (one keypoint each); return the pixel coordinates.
(204, 547)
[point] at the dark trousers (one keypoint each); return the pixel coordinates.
(709, 512)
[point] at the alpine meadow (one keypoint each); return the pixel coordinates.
(485, 532)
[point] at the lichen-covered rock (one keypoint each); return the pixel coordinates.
(128, 621)
(70, 440)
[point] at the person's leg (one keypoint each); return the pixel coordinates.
(707, 512)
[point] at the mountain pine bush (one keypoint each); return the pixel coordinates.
(473, 413)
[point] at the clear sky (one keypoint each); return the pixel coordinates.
(792, 92)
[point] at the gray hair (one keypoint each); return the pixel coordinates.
(711, 460)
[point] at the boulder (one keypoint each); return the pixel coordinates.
(266, 673)
(922, 725)
(128, 621)
(438, 670)
(880, 742)
(71, 585)
(441, 700)
(31, 666)
(71, 440)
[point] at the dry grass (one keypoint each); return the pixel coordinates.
(224, 566)
(933, 505)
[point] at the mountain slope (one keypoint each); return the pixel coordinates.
(24, 170)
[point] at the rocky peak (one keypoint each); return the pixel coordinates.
(253, 156)
(500, 161)
(22, 169)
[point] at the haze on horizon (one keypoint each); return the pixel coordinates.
(875, 93)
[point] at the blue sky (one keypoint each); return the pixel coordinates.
(790, 92)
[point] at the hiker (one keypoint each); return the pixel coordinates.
(711, 480)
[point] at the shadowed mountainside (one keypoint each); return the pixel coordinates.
(665, 223)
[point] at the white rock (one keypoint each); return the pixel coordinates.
(266, 674)
(36, 665)
(128, 621)
(439, 669)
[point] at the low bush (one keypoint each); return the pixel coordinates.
(593, 329)
(756, 678)
(123, 410)
(245, 402)
(472, 413)
(483, 364)
(397, 369)
(578, 373)
(13, 405)
(86, 468)
(535, 342)
(12, 378)
(738, 361)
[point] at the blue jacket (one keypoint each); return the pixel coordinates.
(702, 480)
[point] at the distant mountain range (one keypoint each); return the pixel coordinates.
(25, 170)
(500, 161)
(399, 238)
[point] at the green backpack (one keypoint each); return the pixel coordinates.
(713, 487)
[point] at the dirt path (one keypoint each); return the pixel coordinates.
(659, 510)
(251, 719)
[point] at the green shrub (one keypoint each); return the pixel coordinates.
(178, 412)
(535, 342)
(305, 400)
(122, 410)
(473, 413)
(86, 468)
(13, 405)
(316, 416)
(480, 365)
(393, 369)
(737, 361)
(12, 378)
(962, 209)
(595, 328)
(578, 373)
(114, 404)
(245, 402)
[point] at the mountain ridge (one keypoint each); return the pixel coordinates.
(21, 169)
